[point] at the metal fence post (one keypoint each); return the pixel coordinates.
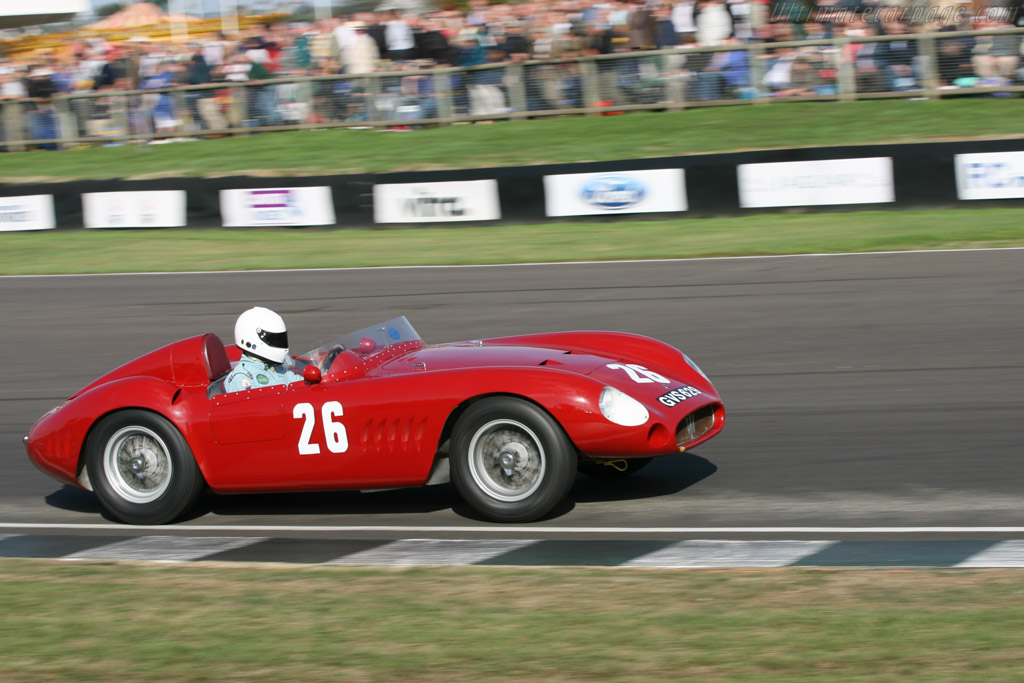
(67, 126)
(119, 117)
(372, 93)
(591, 89)
(516, 85)
(675, 80)
(236, 113)
(846, 75)
(442, 86)
(14, 124)
(756, 56)
(929, 63)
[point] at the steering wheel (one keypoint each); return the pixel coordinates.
(331, 356)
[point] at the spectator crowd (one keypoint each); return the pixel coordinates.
(545, 37)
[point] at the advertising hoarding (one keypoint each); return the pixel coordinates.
(591, 194)
(27, 212)
(996, 175)
(444, 202)
(155, 209)
(816, 183)
(280, 206)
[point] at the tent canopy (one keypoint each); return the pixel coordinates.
(138, 15)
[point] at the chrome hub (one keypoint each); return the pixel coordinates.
(512, 458)
(137, 464)
(507, 460)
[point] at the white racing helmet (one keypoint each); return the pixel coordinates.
(261, 332)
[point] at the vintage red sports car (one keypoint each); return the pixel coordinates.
(509, 420)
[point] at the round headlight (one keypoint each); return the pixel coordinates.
(622, 409)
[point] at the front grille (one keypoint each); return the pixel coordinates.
(695, 425)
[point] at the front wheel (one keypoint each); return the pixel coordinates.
(141, 468)
(510, 460)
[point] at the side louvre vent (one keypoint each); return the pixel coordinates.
(395, 435)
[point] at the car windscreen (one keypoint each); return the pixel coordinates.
(369, 340)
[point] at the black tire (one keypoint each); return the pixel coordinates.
(612, 469)
(510, 460)
(141, 468)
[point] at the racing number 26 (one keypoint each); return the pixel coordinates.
(334, 432)
(639, 373)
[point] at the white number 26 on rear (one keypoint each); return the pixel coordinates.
(639, 373)
(335, 435)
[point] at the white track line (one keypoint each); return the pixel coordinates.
(520, 265)
(163, 548)
(511, 529)
(698, 554)
(414, 552)
(1008, 554)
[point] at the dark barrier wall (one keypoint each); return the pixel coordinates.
(923, 174)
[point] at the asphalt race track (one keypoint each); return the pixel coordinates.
(873, 390)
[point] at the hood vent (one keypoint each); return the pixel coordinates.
(549, 361)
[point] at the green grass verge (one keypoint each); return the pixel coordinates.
(542, 141)
(102, 622)
(177, 250)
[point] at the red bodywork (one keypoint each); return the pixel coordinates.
(397, 408)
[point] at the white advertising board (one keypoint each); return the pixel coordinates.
(590, 194)
(816, 183)
(284, 206)
(997, 175)
(447, 202)
(27, 212)
(15, 13)
(157, 209)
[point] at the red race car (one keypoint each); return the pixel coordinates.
(509, 420)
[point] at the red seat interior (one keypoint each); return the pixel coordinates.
(215, 356)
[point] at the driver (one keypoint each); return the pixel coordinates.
(263, 338)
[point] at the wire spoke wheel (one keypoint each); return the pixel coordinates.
(137, 464)
(511, 461)
(141, 467)
(507, 460)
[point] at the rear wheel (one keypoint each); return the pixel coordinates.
(510, 460)
(141, 468)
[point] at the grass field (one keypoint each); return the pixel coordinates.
(177, 250)
(518, 143)
(104, 622)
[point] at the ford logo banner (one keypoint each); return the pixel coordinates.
(613, 192)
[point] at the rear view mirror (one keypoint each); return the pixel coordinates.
(311, 374)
